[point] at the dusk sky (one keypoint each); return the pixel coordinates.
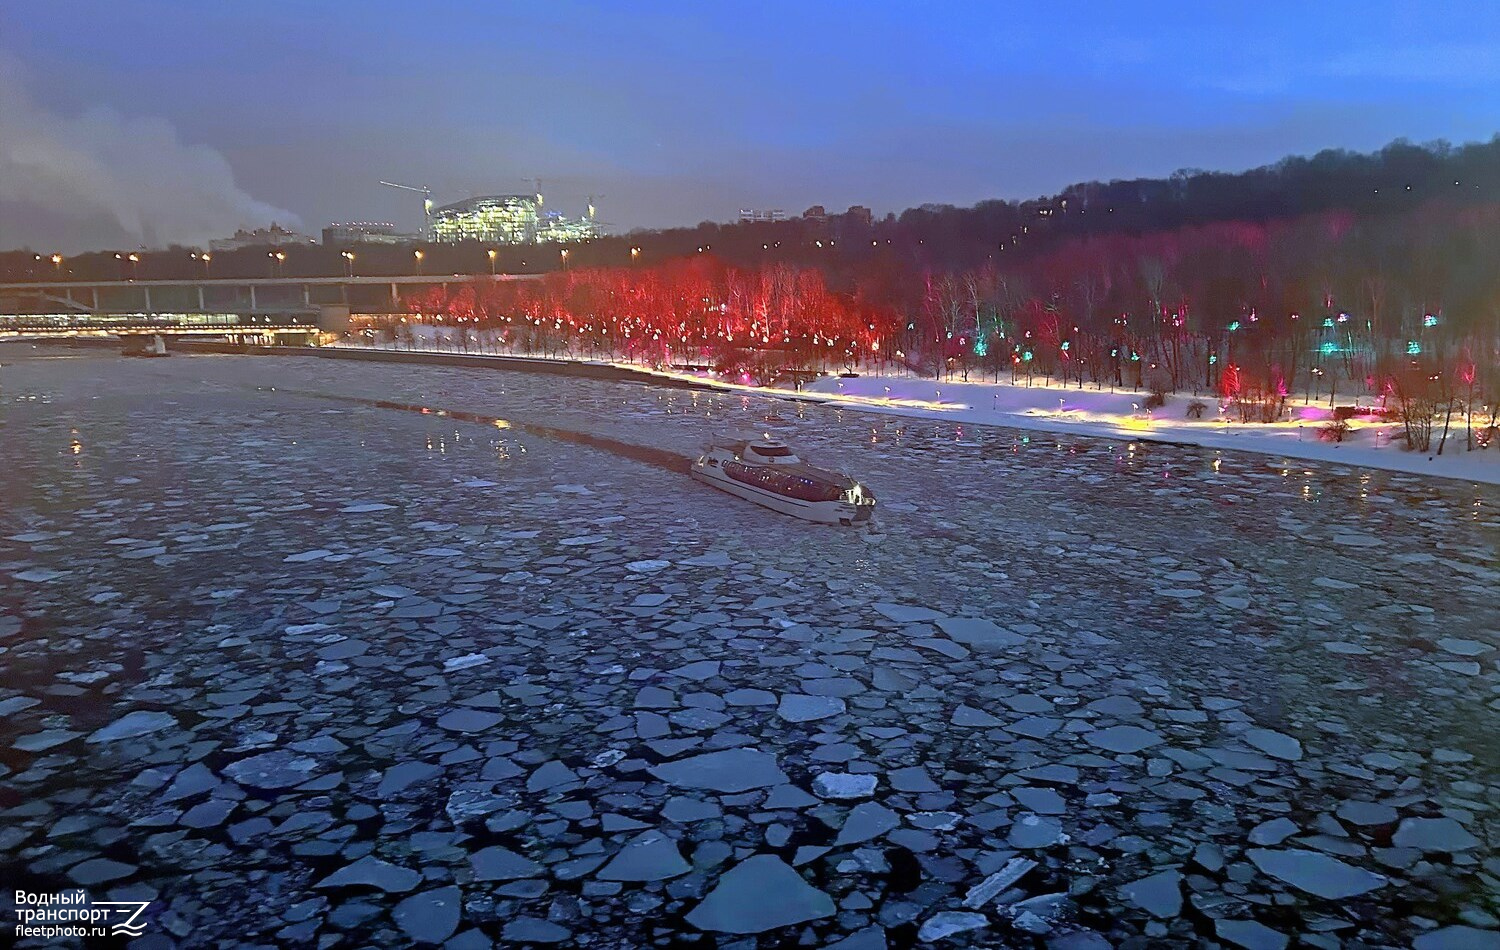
(110, 113)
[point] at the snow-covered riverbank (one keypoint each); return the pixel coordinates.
(1119, 415)
(1115, 415)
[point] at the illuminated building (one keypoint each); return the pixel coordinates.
(493, 219)
(555, 228)
(754, 215)
(508, 219)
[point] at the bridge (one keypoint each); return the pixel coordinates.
(254, 308)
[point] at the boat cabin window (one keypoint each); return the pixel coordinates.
(788, 484)
(771, 451)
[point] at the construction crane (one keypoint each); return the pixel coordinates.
(595, 228)
(426, 194)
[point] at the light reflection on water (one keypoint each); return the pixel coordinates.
(1000, 476)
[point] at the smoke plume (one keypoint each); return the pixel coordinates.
(136, 171)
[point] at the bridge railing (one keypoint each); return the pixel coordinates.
(111, 321)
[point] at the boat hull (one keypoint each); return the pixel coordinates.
(822, 512)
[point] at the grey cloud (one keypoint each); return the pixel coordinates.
(133, 171)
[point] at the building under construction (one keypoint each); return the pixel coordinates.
(508, 219)
(502, 219)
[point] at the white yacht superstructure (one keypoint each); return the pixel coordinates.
(769, 473)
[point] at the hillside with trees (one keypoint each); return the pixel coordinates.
(1373, 277)
(1395, 305)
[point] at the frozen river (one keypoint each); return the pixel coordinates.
(299, 669)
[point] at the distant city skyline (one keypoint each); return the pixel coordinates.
(169, 121)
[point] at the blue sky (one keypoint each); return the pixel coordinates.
(680, 112)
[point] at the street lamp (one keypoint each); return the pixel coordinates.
(418, 255)
(635, 254)
(205, 257)
(492, 253)
(348, 257)
(565, 257)
(57, 260)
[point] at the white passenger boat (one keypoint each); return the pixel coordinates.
(769, 473)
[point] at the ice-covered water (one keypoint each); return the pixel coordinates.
(270, 645)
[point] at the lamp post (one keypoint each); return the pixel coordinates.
(565, 258)
(57, 260)
(492, 254)
(418, 255)
(348, 257)
(635, 254)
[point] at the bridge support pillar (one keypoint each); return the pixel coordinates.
(252, 298)
(201, 307)
(148, 298)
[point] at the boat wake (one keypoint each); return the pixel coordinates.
(660, 458)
